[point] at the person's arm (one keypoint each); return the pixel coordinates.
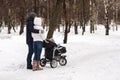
(41, 32)
(31, 28)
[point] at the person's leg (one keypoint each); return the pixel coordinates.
(39, 50)
(35, 50)
(29, 56)
(34, 59)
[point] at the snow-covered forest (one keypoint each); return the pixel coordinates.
(56, 12)
(89, 29)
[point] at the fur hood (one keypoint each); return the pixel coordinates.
(37, 21)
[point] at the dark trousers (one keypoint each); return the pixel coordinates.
(37, 49)
(29, 56)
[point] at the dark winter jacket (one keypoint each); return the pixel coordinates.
(29, 30)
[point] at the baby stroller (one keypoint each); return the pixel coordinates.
(53, 54)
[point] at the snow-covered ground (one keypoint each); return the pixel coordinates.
(90, 57)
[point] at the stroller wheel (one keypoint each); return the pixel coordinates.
(53, 63)
(63, 61)
(42, 62)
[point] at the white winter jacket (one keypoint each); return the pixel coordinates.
(38, 25)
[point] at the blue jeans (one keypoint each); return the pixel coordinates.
(37, 49)
(29, 55)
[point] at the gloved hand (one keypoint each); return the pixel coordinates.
(42, 31)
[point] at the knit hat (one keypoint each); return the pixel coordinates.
(32, 14)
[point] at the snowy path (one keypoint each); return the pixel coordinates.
(90, 57)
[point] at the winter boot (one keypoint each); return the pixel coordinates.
(34, 66)
(38, 66)
(29, 67)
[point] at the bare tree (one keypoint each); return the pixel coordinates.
(66, 22)
(54, 18)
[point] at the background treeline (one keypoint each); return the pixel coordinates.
(65, 12)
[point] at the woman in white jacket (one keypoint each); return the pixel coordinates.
(38, 43)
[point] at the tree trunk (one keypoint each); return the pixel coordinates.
(107, 27)
(116, 17)
(69, 26)
(83, 18)
(66, 22)
(21, 27)
(91, 17)
(76, 28)
(106, 18)
(9, 21)
(53, 19)
(0, 26)
(83, 28)
(91, 27)
(22, 19)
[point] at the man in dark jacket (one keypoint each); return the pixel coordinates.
(29, 40)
